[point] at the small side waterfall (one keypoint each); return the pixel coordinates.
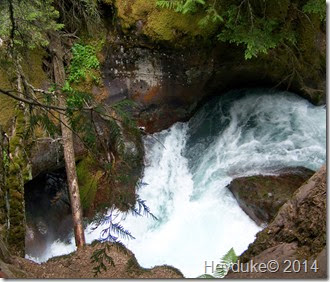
(48, 214)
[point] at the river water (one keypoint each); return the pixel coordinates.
(188, 166)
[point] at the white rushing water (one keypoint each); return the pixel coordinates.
(187, 171)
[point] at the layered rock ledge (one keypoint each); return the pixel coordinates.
(298, 232)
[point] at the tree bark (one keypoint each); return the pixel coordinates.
(67, 137)
(3, 211)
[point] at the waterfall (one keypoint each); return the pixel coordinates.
(188, 166)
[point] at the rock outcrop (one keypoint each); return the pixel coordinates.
(261, 196)
(7, 268)
(298, 232)
(164, 61)
(79, 265)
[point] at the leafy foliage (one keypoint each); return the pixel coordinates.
(100, 256)
(141, 209)
(252, 24)
(45, 121)
(84, 60)
(223, 267)
(206, 276)
(181, 6)
(258, 34)
(112, 233)
(100, 121)
(78, 14)
(316, 7)
(33, 19)
(6, 159)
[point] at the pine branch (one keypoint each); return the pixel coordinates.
(29, 101)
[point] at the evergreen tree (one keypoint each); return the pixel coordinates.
(30, 25)
(257, 25)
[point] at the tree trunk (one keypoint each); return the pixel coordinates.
(70, 165)
(2, 186)
(67, 139)
(3, 209)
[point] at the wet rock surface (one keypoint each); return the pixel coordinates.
(298, 232)
(7, 267)
(165, 63)
(47, 154)
(261, 196)
(168, 84)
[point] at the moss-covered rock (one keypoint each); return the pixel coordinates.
(144, 17)
(19, 171)
(88, 178)
(32, 66)
(298, 232)
(261, 196)
(7, 104)
(158, 62)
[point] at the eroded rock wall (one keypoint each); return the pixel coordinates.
(170, 70)
(298, 232)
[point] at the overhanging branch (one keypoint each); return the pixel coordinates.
(30, 102)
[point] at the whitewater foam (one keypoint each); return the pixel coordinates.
(188, 169)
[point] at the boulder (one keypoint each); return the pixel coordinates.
(298, 232)
(261, 196)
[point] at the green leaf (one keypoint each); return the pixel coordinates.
(222, 269)
(316, 7)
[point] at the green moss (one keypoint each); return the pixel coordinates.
(7, 104)
(88, 179)
(161, 24)
(32, 67)
(18, 172)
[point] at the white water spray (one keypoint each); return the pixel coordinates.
(187, 175)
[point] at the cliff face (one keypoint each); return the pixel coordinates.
(168, 64)
(298, 232)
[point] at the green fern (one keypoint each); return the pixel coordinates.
(223, 267)
(84, 60)
(44, 121)
(316, 7)
(167, 4)
(181, 6)
(247, 23)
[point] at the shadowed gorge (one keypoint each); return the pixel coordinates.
(188, 168)
(154, 138)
